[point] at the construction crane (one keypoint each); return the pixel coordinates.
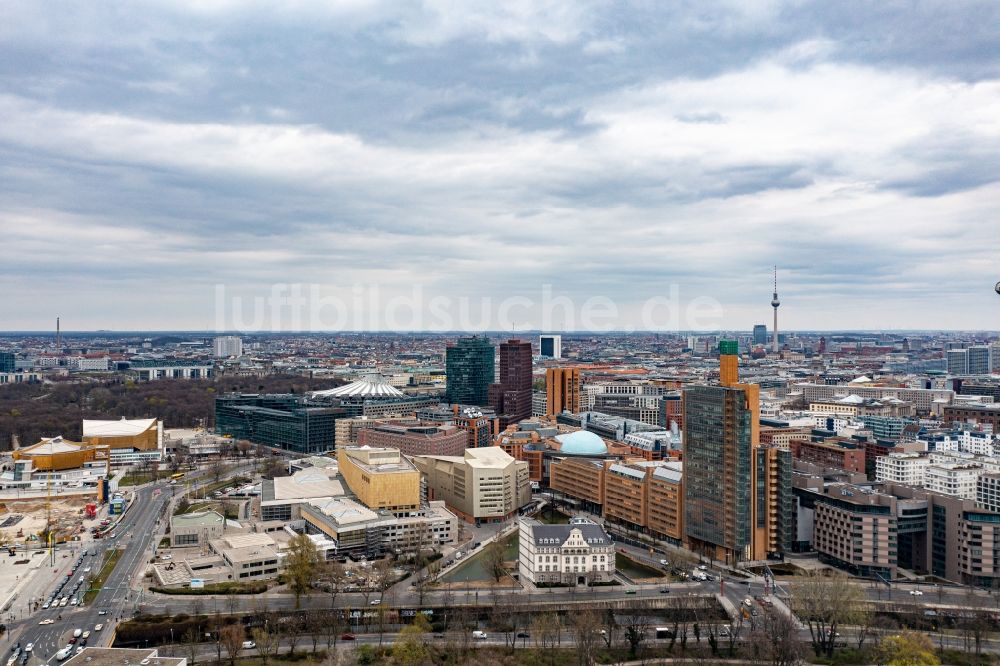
(48, 517)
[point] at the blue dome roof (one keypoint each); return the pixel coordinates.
(582, 443)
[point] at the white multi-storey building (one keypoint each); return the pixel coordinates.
(968, 441)
(86, 363)
(988, 463)
(580, 553)
(955, 479)
(226, 346)
(906, 468)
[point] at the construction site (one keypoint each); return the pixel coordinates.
(23, 521)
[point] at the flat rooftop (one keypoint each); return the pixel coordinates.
(97, 656)
(307, 484)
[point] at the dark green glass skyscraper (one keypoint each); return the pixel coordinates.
(470, 367)
(718, 459)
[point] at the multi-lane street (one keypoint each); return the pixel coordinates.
(136, 533)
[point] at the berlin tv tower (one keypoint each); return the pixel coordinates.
(774, 304)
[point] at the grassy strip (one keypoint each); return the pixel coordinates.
(205, 491)
(215, 588)
(110, 561)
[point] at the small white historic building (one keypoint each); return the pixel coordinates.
(580, 553)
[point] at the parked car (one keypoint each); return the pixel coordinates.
(347, 637)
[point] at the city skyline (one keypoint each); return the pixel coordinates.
(154, 153)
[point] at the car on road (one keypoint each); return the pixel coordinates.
(374, 602)
(46, 605)
(47, 621)
(98, 627)
(347, 637)
(63, 653)
(479, 635)
(703, 567)
(86, 635)
(249, 645)
(77, 633)
(748, 602)
(664, 590)
(63, 602)
(79, 649)
(523, 634)
(102, 612)
(629, 591)
(917, 593)
(29, 647)
(664, 563)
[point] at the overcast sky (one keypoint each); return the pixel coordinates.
(158, 158)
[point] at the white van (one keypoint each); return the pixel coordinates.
(481, 635)
(77, 633)
(65, 652)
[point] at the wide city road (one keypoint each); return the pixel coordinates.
(137, 533)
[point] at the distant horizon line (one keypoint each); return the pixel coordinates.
(747, 331)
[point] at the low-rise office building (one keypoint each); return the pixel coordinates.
(281, 497)
(359, 531)
(196, 529)
(250, 556)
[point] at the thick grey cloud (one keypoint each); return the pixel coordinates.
(152, 151)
